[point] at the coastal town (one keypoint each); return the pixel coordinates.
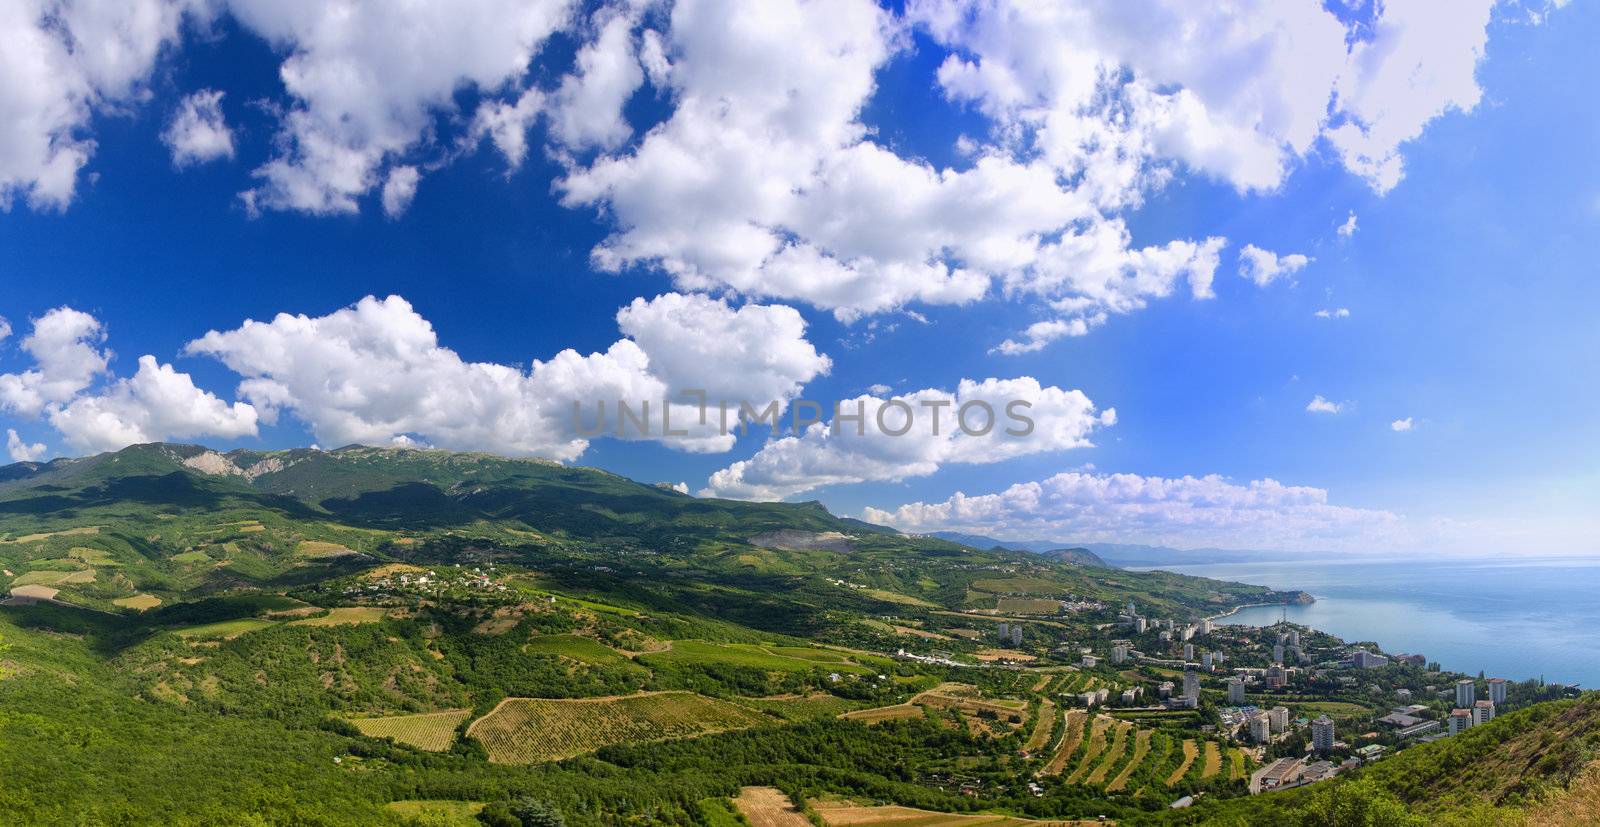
(1299, 705)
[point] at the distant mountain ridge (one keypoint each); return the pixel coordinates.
(1116, 555)
(1055, 551)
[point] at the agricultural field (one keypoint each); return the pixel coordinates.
(1141, 748)
(1213, 760)
(849, 814)
(577, 648)
(1027, 606)
(432, 731)
(803, 708)
(317, 548)
(343, 615)
(885, 713)
(769, 807)
(1067, 746)
(1118, 755)
(438, 812)
(771, 659)
(225, 629)
(1191, 751)
(896, 597)
(1099, 731)
(532, 730)
(1043, 725)
(138, 602)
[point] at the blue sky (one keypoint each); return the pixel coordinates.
(1468, 280)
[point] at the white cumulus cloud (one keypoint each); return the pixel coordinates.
(913, 435)
(376, 373)
(366, 80)
(1401, 425)
(1183, 511)
(21, 451)
(65, 346)
(1319, 405)
(1264, 266)
(1348, 228)
(198, 132)
(398, 190)
(156, 403)
(1333, 313)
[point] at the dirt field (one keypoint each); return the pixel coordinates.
(769, 807)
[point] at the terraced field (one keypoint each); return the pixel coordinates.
(432, 731)
(1072, 735)
(1191, 751)
(1213, 760)
(530, 730)
(1097, 744)
(1238, 764)
(1121, 741)
(1141, 749)
(1043, 724)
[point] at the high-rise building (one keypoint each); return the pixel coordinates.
(1236, 692)
(1120, 650)
(1279, 717)
(1294, 637)
(1191, 685)
(1005, 632)
(1466, 693)
(1208, 660)
(1205, 626)
(1277, 653)
(1322, 734)
(1016, 635)
(1260, 728)
(1276, 677)
(1460, 719)
(1497, 691)
(1188, 651)
(1140, 625)
(1482, 712)
(1363, 659)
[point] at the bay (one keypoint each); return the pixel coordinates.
(1515, 618)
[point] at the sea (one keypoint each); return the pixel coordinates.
(1516, 618)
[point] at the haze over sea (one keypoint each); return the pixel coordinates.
(1515, 618)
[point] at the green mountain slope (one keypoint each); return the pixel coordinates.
(178, 613)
